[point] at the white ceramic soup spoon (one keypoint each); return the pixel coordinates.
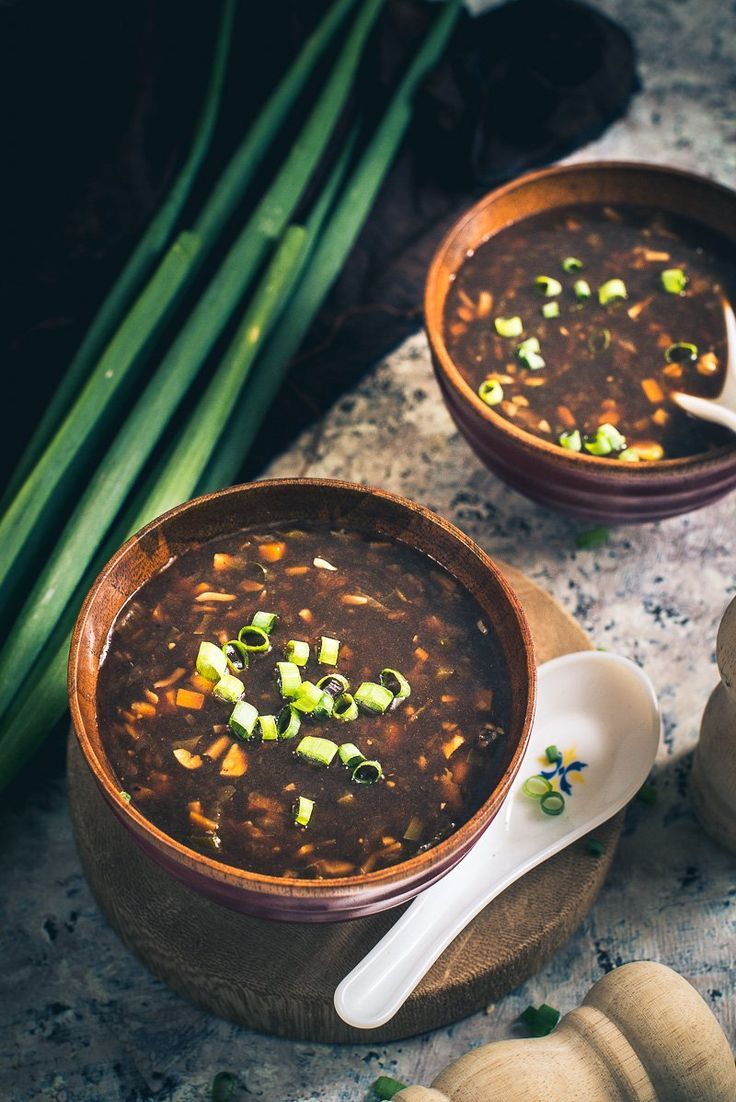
(601, 712)
(720, 410)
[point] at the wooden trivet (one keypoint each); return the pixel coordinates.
(280, 977)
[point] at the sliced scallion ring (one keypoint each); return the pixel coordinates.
(629, 455)
(582, 290)
(535, 787)
(528, 353)
(572, 264)
(288, 679)
(303, 809)
(297, 651)
(490, 391)
(550, 309)
(318, 751)
(346, 710)
(681, 352)
(509, 327)
(288, 723)
(367, 772)
(600, 340)
(325, 706)
(211, 662)
(229, 688)
(573, 441)
(334, 684)
(613, 290)
(254, 639)
(269, 728)
(548, 286)
(552, 803)
(329, 650)
(552, 754)
(236, 655)
(265, 620)
(396, 683)
(350, 755)
(674, 281)
(307, 698)
(243, 719)
(373, 698)
(605, 439)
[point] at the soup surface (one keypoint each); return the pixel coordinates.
(416, 771)
(606, 311)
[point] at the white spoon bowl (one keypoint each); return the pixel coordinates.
(600, 710)
(720, 410)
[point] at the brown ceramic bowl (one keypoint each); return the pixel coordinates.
(580, 485)
(340, 504)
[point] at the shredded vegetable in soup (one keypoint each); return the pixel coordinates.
(304, 703)
(577, 325)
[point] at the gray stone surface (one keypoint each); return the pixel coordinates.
(82, 1020)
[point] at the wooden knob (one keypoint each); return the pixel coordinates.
(642, 1034)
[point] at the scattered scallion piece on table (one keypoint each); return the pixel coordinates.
(509, 327)
(297, 651)
(373, 698)
(647, 794)
(211, 662)
(385, 1087)
(572, 264)
(243, 719)
(288, 679)
(236, 655)
(329, 650)
(528, 353)
(541, 1020)
(396, 684)
(681, 352)
(229, 688)
(552, 803)
(550, 309)
(548, 286)
(595, 847)
(592, 538)
(573, 441)
(268, 727)
(288, 723)
(553, 754)
(266, 621)
(303, 809)
(367, 772)
(318, 751)
(307, 698)
(582, 290)
(490, 391)
(613, 290)
(223, 1087)
(674, 281)
(346, 710)
(350, 755)
(536, 786)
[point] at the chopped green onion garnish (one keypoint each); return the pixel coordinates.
(297, 651)
(211, 662)
(613, 290)
(254, 639)
(573, 441)
(328, 651)
(528, 353)
(236, 655)
(605, 439)
(288, 722)
(629, 455)
(548, 286)
(325, 706)
(681, 353)
(288, 678)
(373, 698)
(540, 1020)
(552, 803)
(674, 281)
(367, 772)
(334, 684)
(125, 796)
(572, 264)
(229, 688)
(509, 327)
(303, 809)
(265, 620)
(595, 847)
(307, 697)
(396, 683)
(535, 787)
(592, 538)
(490, 391)
(599, 340)
(553, 754)
(345, 708)
(385, 1087)
(582, 290)
(243, 719)
(223, 1086)
(269, 728)
(647, 794)
(318, 751)
(350, 755)
(550, 310)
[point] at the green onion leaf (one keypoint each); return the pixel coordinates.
(629, 455)
(396, 683)
(552, 803)
(125, 796)
(334, 684)
(613, 290)
(548, 286)
(592, 538)
(367, 772)
(288, 723)
(540, 1020)
(303, 809)
(595, 847)
(269, 728)
(346, 710)
(307, 698)
(329, 650)
(674, 281)
(243, 719)
(582, 290)
(325, 706)
(385, 1087)
(373, 698)
(265, 620)
(550, 309)
(681, 352)
(553, 754)
(254, 639)
(297, 651)
(509, 327)
(535, 787)
(573, 441)
(490, 391)
(211, 662)
(236, 655)
(229, 688)
(572, 264)
(528, 353)
(318, 751)
(288, 679)
(350, 755)
(605, 439)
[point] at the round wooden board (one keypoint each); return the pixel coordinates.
(280, 977)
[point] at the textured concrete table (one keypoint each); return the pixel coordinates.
(82, 1021)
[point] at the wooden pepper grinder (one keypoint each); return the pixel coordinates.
(642, 1034)
(714, 763)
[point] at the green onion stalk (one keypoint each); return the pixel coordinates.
(38, 501)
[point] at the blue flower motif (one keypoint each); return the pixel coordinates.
(561, 772)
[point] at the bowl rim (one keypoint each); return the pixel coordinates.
(403, 872)
(453, 377)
